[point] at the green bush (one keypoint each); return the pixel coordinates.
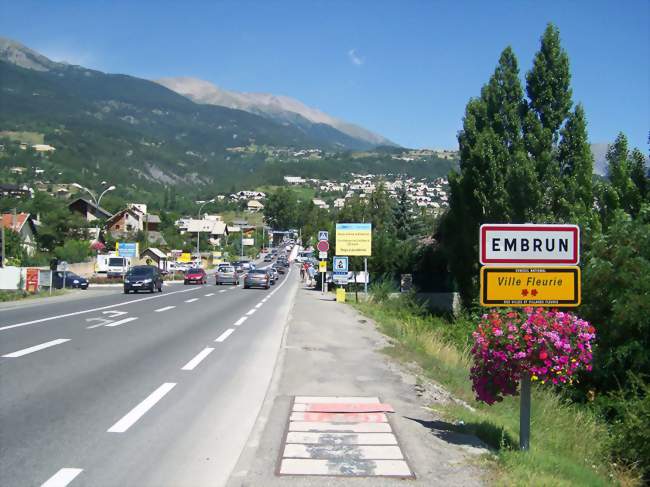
(73, 251)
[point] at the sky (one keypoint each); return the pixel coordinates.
(404, 68)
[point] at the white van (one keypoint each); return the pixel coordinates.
(117, 266)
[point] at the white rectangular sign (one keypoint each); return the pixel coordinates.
(322, 255)
(323, 235)
(529, 244)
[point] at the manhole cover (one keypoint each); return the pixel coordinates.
(341, 436)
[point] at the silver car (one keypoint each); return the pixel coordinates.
(257, 278)
(226, 275)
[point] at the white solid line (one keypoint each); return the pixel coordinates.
(137, 412)
(191, 300)
(166, 308)
(36, 348)
(224, 335)
(197, 360)
(121, 322)
(62, 478)
(258, 305)
(85, 311)
(251, 312)
(240, 320)
(209, 294)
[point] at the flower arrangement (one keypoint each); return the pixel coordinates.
(550, 345)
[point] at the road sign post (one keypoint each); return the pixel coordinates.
(529, 265)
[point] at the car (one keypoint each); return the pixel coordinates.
(268, 258)
(226, 275)
(195, 275)
(271, 274)
(143, 278)
(72, 280)
(257, 278)
(275, 273)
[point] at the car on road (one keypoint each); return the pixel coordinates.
(195, 275)
(143, 278)
(271, 274)
(72, 280)
(257, 278)
(268, 258)
(226, 275)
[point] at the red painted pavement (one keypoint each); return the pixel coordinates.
(346, 417)
(349, 408)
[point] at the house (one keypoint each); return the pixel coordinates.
(14, 191)
(320, 204)
(157, 256)
(42, 148)
(88, 210)
(126, 221)
(339, 202)
(216, 229)
(294, 180)
(23, 224)
(254, 206)
(17, 170)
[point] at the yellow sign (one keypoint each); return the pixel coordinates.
(322, 266)
(354, 239)
(185, 257)
(340, 295)
(530, 286)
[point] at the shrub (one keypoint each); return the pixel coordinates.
(73, 251)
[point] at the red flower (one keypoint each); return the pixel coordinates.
(524, 292)
(543, 355)
(534, 292)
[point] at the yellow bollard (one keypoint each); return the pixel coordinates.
(340, 295)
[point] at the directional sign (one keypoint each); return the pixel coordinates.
(323, 235)
(530, 286)
(323, 246)
(529, 244)
(341, 265)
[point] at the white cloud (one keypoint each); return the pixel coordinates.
(355, 58)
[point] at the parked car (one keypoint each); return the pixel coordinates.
(257, 278)
(195, 275)
(226, 275)
(143, 278)
(72, 280)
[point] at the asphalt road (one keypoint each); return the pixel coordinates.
(136, 390)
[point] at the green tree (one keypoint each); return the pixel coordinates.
(281, 209)
(639, 175)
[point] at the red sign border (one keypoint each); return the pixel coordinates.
(529, 228)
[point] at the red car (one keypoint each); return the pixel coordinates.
(196, 275)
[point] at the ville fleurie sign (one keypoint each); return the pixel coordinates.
(530, 286)
(508, 244)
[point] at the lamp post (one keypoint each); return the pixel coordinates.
(198, 232)
(92, 195)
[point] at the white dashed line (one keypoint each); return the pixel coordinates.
(223, 291)
(62, 478)
(258, 305)
(166, 308)
(240, 320)
(209, 294)
(251, 312)
(225, 335)
(197, 360)
(140, 410)
(121, 322)
(85, 311)
(191, 300)
(36, 348)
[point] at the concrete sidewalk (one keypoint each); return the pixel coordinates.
(333, 354)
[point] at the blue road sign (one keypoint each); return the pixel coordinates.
(340, 266)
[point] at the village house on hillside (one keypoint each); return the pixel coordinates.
(133, 219)
(88, 210)
(23, 224)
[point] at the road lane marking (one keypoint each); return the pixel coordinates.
(197, 359)
(224, 335)
(121, 322)
(191, 300)
(258, 305)
(62, 478)
(209, 294)
(251, 312)
(223, 291)
(240, 320)
(140, 410)
(36, 348)
(85, 311)
(166, 308)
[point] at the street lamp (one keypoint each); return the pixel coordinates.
(92, 195)
(198, 231)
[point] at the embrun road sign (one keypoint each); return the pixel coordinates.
(529, 244)
(323, 246)
(530, 286)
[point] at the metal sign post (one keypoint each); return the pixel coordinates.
(524, 413)
(365, 276)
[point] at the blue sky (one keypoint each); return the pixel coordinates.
(405, 69)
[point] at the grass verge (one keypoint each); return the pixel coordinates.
(6, 296)
(569, 444)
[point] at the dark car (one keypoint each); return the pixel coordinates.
(257, 278)
(72, 280)
(226, 275)
(195, 275)
(143, 278)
